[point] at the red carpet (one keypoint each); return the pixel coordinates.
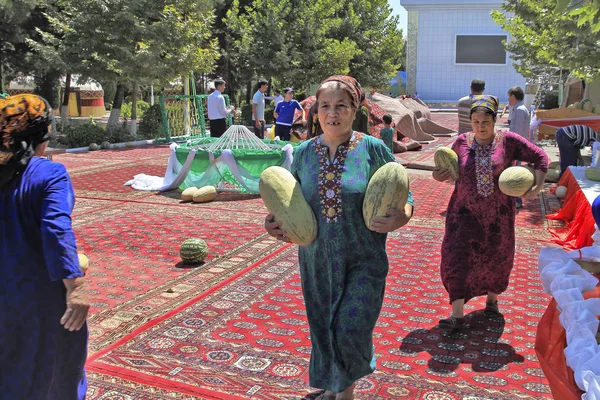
(234, 327)
(249, 336)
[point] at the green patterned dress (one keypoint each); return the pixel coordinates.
(343, 271)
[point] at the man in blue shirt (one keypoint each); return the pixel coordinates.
(258, 109)
(284, 114)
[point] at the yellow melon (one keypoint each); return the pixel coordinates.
(516, 181)
(205, 194)
(84, 262)
(188, 194)
(446, 158)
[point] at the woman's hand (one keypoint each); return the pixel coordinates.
(537, 187)
(393, 220)
(442, 175)
(78, 304)
(272, 228)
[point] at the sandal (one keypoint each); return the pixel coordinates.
(452, 323)
(491, 309)
(314, 395)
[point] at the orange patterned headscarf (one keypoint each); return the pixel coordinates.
(24, 121)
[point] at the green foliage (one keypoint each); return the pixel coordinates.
(151, 123)
(120, 134)
(542, 36)
(82, 133)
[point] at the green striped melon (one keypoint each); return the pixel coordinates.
(446, 158)
(387, 188)
(193, 251)
(283, 197)
(205, 194)
(516, 181)
(188, 194)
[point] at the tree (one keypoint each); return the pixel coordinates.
(543, 36)
(140, 41)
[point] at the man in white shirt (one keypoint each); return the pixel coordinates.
(519, 120)
(258, 109)
(217, 110)
(278, 98)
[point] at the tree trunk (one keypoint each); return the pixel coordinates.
(115, 112)
(64, 109)
(46, 87)
(249, 92)
(1, 73)
(134, 109)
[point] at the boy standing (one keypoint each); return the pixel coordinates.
(284, 115)
(387, 133)
(258, 109)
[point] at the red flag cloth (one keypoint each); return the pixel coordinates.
(576, 212)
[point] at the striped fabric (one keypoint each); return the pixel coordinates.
(464, 112)
(581, 134)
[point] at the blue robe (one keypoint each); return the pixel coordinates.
(39, 358)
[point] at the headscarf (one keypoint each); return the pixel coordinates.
(24, 121)
(486, 101)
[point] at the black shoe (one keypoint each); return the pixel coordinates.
(451, 323)
(491, 309)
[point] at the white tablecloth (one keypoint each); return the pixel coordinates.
(591, 189)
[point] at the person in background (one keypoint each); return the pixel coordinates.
(519, 121)
(258, 109)
(343, 272)
(464, 105)
(570, 140)
(387, 132)
(42, 291)
(278, 98)
(478, 249)
(284, 115)
(361, 120)
(217, 110)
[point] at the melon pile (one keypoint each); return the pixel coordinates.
(516, 181)
(283, 197)
(193, 251)
(586, 105)
(202, 195)
(388, 189)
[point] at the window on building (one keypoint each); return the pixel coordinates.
(480, 49)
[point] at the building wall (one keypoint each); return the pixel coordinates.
(432, 60)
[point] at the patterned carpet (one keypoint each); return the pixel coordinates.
(235, 328)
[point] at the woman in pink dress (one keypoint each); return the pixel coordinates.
(479, 244)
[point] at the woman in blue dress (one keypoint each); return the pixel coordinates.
(43, 300)
(343, 271)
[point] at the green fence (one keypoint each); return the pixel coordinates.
(186, 116)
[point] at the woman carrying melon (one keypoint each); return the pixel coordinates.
(479, 244)
(343, 271)
(42, 291)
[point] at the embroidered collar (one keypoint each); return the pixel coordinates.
(498, 136)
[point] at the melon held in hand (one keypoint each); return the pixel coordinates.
(388, 188)
(516, 181)
(446, 158)
(283, 197)
(193, 251)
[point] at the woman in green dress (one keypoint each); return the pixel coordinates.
(343, 271)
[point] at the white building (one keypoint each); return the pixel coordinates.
(450, 43)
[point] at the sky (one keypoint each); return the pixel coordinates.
(397, 9)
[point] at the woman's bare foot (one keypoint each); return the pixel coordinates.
(328, 395)
(347, 394)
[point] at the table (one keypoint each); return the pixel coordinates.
(576, 210)
(52, 151)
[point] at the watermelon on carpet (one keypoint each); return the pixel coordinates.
(193, 251)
